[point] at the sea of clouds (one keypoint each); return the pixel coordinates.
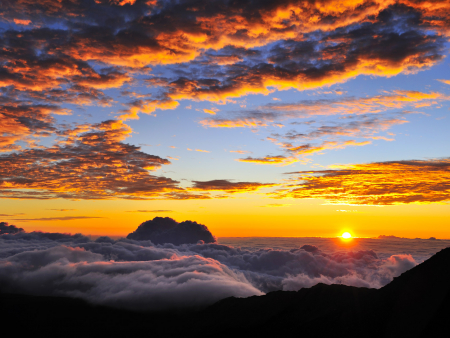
(138, 274)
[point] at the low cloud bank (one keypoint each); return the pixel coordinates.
(139, 274)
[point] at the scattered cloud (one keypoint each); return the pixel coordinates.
(380, 183)
(269, 113)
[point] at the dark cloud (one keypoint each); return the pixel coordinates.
(161, 210)
(166, 230)
(228, 49)
(5, 228)
(230, 187)
(372, 48)
(379, 183)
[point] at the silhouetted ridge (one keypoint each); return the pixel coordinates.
(166, 230)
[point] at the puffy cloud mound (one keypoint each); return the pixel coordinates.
(5, 228)
(166, 230)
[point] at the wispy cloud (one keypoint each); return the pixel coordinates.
(157, 210)
(64, 218)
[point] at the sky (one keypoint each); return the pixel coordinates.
(256, 118)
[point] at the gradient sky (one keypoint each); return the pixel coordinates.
(256, 118)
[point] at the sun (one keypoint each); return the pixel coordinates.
(346, 235)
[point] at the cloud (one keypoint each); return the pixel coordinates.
(374, 49)
(269, 113)
(147, 107)
(210, 111)
(276, 160)
(393, 266)
(242, 48)
(166, 230)
(22, 22)
(20, 122)
(147, 285)
(334, 135)
(64, 218)
(91, 162)
(307, 149)
(229, 187)
(5, 228)
(363, 126)
(151, 210)
(70, 52)
(379, 183)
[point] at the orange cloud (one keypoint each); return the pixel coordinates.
(20, 122)
(92, 163)
(210, 111)
(22, 22)
(147, 107)
(279, 160)
(103, 81)
(307, 149)
(381, 183)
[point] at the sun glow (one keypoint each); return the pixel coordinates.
(346, 235)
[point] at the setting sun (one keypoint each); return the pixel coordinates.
(346, 235)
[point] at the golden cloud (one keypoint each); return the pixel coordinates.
(380, 183)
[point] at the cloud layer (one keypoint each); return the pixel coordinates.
(142, 275)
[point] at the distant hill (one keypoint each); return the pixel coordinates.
(415, 304)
